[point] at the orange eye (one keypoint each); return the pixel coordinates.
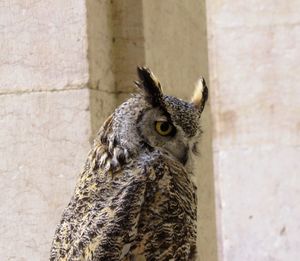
(164, 128)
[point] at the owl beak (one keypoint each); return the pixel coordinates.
(185, 156)
(200, 95)
(182, 154)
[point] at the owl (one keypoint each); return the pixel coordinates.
(135, 199)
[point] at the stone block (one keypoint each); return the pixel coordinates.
(254, 71)
(176, 44)
(44, 144)
(128, 41)
(257, 192)
(236, 13)
(100, 45)
(255, 99)
(43, 45)
(102, 104)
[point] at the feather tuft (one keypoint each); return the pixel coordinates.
(200, 95)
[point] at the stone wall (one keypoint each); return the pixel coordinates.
(64, 66)
(254, 67)
(45, 119)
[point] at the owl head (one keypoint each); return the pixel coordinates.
(152, 121)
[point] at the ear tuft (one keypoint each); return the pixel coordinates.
(200, 95)
(150, 85)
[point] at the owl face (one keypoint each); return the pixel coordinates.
(163, 131)
(168, 123)
(151, 120)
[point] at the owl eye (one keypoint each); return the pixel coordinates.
(164, 128)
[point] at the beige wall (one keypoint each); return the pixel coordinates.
(64, 66)
(254, 62)
(45, 119)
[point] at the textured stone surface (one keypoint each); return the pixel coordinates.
(129, 43)
(254, 70)
(175, 43)
(44, 143)
(262, 66)
(101, 46)
(259, 190)
(102, 104)
(43, 45)
(103, 92)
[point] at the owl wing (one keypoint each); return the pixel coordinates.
(101, 220)
(167, 224)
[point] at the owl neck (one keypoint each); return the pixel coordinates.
(118, 141)
(112, 149)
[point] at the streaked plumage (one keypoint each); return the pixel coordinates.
(135, 199)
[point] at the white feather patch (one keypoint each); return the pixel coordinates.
(198, 93)
(125, 250)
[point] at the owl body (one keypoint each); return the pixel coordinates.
(135, 199)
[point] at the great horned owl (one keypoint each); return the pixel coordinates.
(135, 199)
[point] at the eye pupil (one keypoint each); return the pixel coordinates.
(164, 126)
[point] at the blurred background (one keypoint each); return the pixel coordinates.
(65, 66)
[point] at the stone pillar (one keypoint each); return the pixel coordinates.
(100, 55)
(254, 77)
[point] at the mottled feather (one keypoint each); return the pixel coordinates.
(135, 199)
